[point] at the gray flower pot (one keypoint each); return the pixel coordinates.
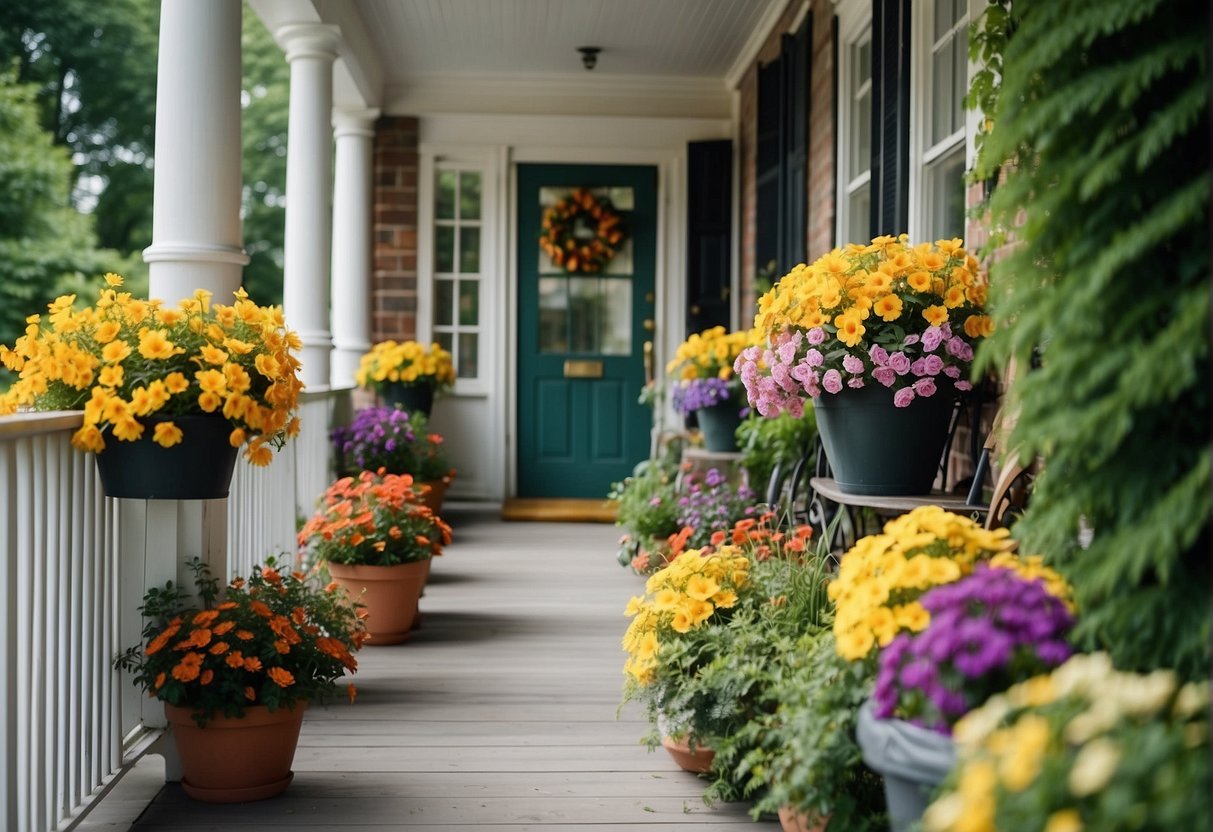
(913, 762)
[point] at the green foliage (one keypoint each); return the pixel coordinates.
(1101, 121)
(646, 502)
(781, 440)
(266, 96)
(801, 751)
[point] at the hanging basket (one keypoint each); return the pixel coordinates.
(199, 467)
(413, 398)
(877, 448)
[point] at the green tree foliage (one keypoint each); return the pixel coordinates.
(265, 98)
(44, 241)
(1101, 125)
(94, 65)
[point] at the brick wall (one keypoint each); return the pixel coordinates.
(819, 229)
(394, 278)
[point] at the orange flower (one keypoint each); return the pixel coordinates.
(717, 538)
(157, 644)
(271, 575)
(252, 664)
(352, 692)
(250, 694)
(188, 668)
(223, 627)
(298, 615)
(219, 648)
(261, 609)
(198, 638)
(281, 677)
(204, 618)
(207, 677)
(160, 680)
(282, 647)
(244, 635)
(227, 605)
(235, 659)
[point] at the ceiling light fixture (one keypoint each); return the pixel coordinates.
(589, 55)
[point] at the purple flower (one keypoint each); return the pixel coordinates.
(959, 348)
(699, 393)
(903, 397)
(814, 358)
(951, 371)
(816, 336)
(832, 381)
(878, 354)
(933, 365)
(932, 338)
(910, 341)
(919, 367)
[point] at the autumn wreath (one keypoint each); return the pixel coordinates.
(581, 233)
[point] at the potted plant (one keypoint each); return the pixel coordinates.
(162, 389)
(397, 442)
(1083, 747)
(881, 338)
(237, 667)
(986, 632)
(376, 538)
(704, 383)
(407, 373)
(646, 509)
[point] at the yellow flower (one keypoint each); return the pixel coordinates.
(701, 588)
(259, 454)
(935, 315)
(107, 332)
(115, 351)
(211, 381)
(212, 355)
(1064, 820)
(128, 429)
(111, 376)
(888, 307)
(166, 434)
(112, 279)
(155, 345)
(850, 329)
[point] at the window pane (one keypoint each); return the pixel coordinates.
(960, 77)
(444, 340)
(469, 355)
(941, 89)
(444, 249)
(615, 323)
(863, 63)
(469, 195)
(553, 314)
(585, 304)
(943, 17)
(861, 156)
(444, 302)
(469, 302)
(469, 249)
(945, 183)
(444, 194)
(859, 216)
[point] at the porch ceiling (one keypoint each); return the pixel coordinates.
(659, 57)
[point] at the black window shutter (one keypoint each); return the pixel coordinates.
(890, 187)
(709, 233)
(767, 170)
(794, 58)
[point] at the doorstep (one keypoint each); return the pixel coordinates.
(557, 510)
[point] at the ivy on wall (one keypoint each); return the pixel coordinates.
(1100, 125)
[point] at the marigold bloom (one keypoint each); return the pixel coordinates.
(188, 669)
(281, 677)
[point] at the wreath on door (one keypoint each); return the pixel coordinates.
(581, 233)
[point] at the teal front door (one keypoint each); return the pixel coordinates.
(582, 336)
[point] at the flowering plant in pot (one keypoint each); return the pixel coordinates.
(397, 442)
(704, 382)
(376, 537)
(148, 376)
(866, 331)
(1083, 747)
(406, 372)
(237, 665)
(708, 504)
(646, 509)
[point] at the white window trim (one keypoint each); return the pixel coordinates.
(492, 290)
(921, 155)
(854, 23)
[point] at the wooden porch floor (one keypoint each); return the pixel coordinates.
(498, 714)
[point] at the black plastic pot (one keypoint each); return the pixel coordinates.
(198, 468)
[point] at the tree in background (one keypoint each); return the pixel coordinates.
(265, 99)
(1101, 123)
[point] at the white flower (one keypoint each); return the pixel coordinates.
(1093, 767)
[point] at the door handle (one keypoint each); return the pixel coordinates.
(648, 362)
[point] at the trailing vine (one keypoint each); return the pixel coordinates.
(1100, 120)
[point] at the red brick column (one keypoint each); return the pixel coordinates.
(394, 279)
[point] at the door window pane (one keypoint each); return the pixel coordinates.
(469, 355)
(469, 250)
(584, 313)
(553, 315)
(444, 249)
(444, 302)
(469, 195)
(444, 194)
(615, 323)
(469, 302)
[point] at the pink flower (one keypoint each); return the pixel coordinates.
(787, 349)
(795, 407)
(951, 371)
(963, 385)
(814, 358)
(878, 354)
(852, 364)
(783, 378)
(884, 375)
(832, 381)
(910, 341)
(932, 338)
(959, 348)
(919, 367)
(925, 387)
(900, 363)
(934, 365)
(903, 397)
(855, 382)
(816, 336)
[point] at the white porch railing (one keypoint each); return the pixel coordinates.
(75, 567)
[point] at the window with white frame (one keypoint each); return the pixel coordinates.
(943, 74)
(855, 166)
(458, 210)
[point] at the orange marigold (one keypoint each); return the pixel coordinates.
(188, 668)
(281, 677)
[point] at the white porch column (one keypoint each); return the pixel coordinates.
(196, 229)
(354, 131)
(311, 49)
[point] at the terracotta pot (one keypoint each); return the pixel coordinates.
(434, 497)
(236, 760)
(794, 821)
(390, 594)
(698, 761)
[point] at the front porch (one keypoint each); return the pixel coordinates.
(499, 713)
